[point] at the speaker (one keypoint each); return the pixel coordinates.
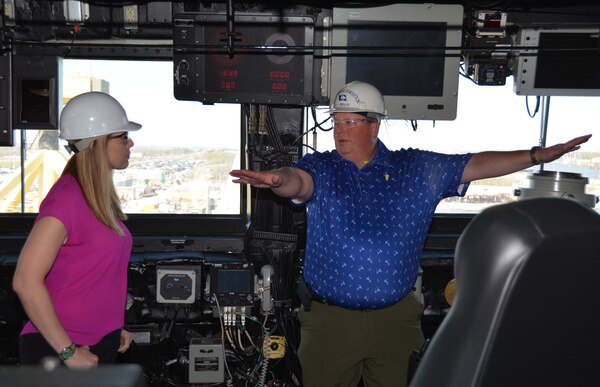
(35, 91)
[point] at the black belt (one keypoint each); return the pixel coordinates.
(307, 296)
(324, 301)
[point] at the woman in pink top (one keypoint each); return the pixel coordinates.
(72, 272)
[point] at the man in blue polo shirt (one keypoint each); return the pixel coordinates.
(369, 211)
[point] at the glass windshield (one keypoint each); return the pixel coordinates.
(495, 118)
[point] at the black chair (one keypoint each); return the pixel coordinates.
(109, 375)
(527, 306)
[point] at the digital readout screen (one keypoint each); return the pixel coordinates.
(254, 59)
(235, 281)
(250, 71)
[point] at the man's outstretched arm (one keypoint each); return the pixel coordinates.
(492, 164)
(287, 182)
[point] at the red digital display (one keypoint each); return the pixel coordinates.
(228, 73)
(255, 68)
(272, 74)
(279, 86)
(279, 75)
(227, 85)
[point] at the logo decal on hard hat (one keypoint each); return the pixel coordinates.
(351, 93)
(342, 97)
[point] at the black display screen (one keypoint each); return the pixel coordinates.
(235, 281)
(568, 60)
(35, 101)
(413, 62)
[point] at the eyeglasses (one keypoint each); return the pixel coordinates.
(352, 123)
(124, 136)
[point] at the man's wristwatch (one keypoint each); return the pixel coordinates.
(67, 352)
(532, 157)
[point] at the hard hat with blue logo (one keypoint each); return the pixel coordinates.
(359, 97)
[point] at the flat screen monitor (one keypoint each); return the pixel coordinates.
(232, 283)
(35, 101)
(561, 62)
(235, 281)
(410, 52)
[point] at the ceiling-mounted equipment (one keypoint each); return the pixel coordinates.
(76, 11)
(410, 52)
(558, 61)
(265, 59)
(486, 59)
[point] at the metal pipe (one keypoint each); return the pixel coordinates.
(544, 123)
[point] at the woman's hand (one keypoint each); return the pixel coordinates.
(126, 339)
(82, 358)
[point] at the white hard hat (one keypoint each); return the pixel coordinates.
(359, 97)
(92, 115)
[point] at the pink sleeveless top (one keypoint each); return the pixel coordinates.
(88, 281)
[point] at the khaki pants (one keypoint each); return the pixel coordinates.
(338, 345)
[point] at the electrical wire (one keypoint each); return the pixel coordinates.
(76, 29)
(317, 125)
(537, 106)
(230, 339)
(463, 73)
(253, 319)
(239, 338)
(251, 341)
(414, 124)
(264, 368)
(282, 286)
(223, 339)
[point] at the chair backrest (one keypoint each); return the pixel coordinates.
(105, 375)
(527, 306)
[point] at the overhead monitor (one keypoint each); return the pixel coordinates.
(561, 61)
(410, 52)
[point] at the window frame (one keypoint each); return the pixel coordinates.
(219, 232)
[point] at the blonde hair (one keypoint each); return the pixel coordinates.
(92, 171)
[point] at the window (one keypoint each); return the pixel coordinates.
(182, 154)
(495, 118)
(181, 157)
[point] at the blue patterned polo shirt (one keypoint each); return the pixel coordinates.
(367, 227)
